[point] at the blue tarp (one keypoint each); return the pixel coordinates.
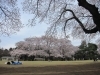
(16, 63)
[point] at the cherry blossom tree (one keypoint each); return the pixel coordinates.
(65, 48)
(20, 45)
(48, 42)
(79, 16)
(18, 53)
(27, 45)
(45, 46)
(9, 17)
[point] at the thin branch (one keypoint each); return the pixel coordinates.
(37, 6)
(49, 6)
(48, 9)
(3, 12)
(86, 16)
(61, 13)
(66, 24)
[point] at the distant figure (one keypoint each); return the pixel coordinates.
(95, 59)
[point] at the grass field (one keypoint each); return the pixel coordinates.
(47, 63)
(51, 68)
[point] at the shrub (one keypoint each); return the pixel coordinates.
(39, 59)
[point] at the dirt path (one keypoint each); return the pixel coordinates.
(91, 69)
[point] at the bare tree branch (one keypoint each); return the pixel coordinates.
(66, 24)
(81, 24)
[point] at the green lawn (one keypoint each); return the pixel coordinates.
(88, 67)
(48, 63)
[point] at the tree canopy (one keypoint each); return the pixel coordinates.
(87, 51)
(9, 17)
(79, 16)
(44, 46)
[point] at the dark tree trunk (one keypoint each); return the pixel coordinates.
(94, 12)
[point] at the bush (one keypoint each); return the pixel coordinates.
(39, 59)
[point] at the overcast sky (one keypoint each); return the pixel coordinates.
(38, 30)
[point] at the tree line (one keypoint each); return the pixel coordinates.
(88, 51)
(45, 47)
(53, 48)
(5, 52)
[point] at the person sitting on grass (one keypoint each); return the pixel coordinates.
(8, 63)
(16, 63)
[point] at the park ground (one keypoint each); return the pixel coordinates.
(51, 68)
